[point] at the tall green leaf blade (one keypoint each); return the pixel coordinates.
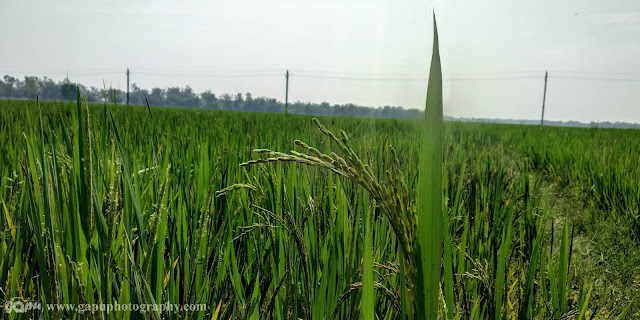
(430, 222)
(585, 304)
(80, 161)
(35, 217)
(448, 269)
(127, 177)
(46, 197)
(526, 312)
(563, 269)
(501, 273)
(368, 294)
(624, 313)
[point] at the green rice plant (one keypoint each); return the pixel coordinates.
(399, 210)
(118, 204)
(368, 298)
(184, 186)
(391, 196)
(430, 222)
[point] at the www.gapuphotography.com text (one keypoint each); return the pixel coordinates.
(19, 305)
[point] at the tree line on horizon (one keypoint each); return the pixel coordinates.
(48, 89)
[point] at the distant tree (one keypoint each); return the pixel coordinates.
(238, 102)
(386, 112)
(9, 83)
(93, 94)
(157, 97)
(189, 98)
(185, 97)
(29, 88)
(225, 102)
(67, 90)
(178, 97)
(250, 103)
(136, 95)
(48, 89)
(173, 96)
(208, 100)
(351, 109)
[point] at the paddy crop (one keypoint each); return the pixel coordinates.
(114, 204)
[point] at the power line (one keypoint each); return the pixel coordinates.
(356, 78)
(410, 79)
(339, 73)
(420, 75)
(73, 73)
(94, 73)
(596, 72)
(208, 75)
(496, 73)
(169, 74)
(360, 76)
(208, 69)
(494, 78)
(597, 79)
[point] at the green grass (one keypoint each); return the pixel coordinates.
(430, 219)
(112, 204)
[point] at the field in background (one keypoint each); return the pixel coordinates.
(152, 206)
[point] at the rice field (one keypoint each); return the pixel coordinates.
(115, 204)
(396, 219)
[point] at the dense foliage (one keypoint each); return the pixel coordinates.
(48, 89)
(152, 206)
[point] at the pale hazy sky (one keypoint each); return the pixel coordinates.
(171, 41)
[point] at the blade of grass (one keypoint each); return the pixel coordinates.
(132, 192)
(563, 269)
(501, 273)
(585, 304)
(525, 309)
(368, 293)
(430, 222)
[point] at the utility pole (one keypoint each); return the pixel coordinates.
(286, 95)
(127, 86)
(544, 96)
